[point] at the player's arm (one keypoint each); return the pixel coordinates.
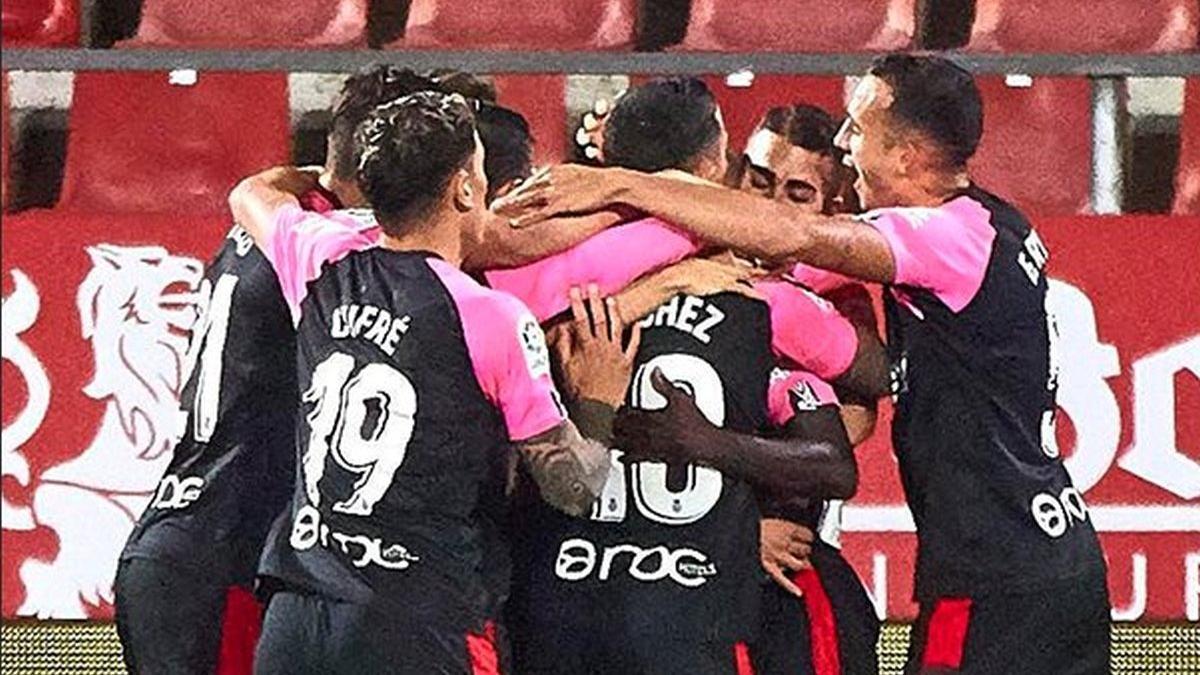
(296, 242)
(725, 217)
(611, 260)
(504, 247)
(819, 463)
(809, 333)
(595, 362)
(694, 276)
(256, 201)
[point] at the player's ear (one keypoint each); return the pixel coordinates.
(463, 190)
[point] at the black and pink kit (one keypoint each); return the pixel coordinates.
(1001, 531)
(832, 629)
(664, 577)
(414, 379)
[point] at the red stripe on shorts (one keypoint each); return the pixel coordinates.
(741, 658)
(946, 636)
(482, 650)
(240, 629)
(822, 624)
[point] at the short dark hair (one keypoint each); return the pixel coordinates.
(467, 85)
(664, 124)
(804, 126)
(507, 145)
(360, 95)
(937, 97)
(408, 149)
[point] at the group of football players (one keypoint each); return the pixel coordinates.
(381, 441)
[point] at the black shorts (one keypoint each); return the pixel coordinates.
(832, 629)
(581, 637)
(305, 634)
(168, 618)
(659, 657)
(1062, 630)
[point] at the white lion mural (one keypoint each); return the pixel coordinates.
(136, 306)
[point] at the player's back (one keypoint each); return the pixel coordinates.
(232, 466)
(670, 553)
(402, 458)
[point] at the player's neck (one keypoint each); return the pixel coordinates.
(933, 188)
(347, 193)
(435, 235)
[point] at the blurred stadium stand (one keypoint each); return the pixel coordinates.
(1095, 26)
(5, 140)
(306, 24)
(170, 147)
(1187, 181)
(40, 23)
(519, 24)
(1037, 142)
(800, 25)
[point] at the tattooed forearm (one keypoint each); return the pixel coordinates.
(570, 470)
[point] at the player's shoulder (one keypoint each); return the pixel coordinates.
(477, 302)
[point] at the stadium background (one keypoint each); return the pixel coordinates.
(125, 124)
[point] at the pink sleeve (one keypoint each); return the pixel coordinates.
(612, 260)
(795, 391)
(807, 331)
(303, 241)
(818, 280)
(509, 354)
(944, 250)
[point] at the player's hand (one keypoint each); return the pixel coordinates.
(595, 359)
(784, 547)
(718, 274)
(670, 434)
(590, 134)
(295, 180)
(558, 190)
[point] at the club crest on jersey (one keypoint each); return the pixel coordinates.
(803, 397)
(533, 346)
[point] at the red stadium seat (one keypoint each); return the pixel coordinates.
(518, 24)
(542, 100)
(5, 141)
(261, 23)
(1093, 26)
(800, 25)
(1187, 177)
(40, 23)
(1037, 144)
(743, 107)
(139, 143)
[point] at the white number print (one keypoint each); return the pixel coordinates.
(208, 350)
(366, 420)
(651, 492)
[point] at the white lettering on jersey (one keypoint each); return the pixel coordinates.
(687, 313)
(242, 240)
(308, 530)
(177, 493)
(577, 560)
(371, 323)
(1055, 514)
(1033, 256)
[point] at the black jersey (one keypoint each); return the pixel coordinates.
(231, 471)
(975, 380)
(669, 549)
(413, 380)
